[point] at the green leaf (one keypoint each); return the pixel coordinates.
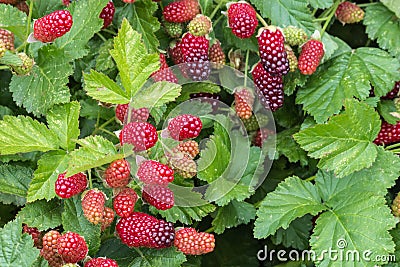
(353, 214)
(15, 179)
(300, 197)
(95, 151)
(16, 249)
(189, 207)
(23, 134)
(10, 59)
(156, 95)
(44, 7)
(383, 26)
(202, 87)
(74, 220)
(347, 75)
(5, 111)
(42, 214)
(232, 215)
(102, 88)
(113, 248)
(64, 122)
(322, 4)
(142, 19)
(284, 13)
(104, 60)
(344, 144)
(206, 7)
(158, 258)
(135, 65)
(393, 5)
(296, 235)
(13, 20)
(387, 109)
(287, 146)
(86, 23)
(50, 165)
(46, 85)
(396, 238)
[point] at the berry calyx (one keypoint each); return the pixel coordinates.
(52, 26)
(142, 135)
(158, 196)
(191, 242)
(66, 187)
(272, 51)
(124, 202)
(118, 173)
(242, 19)
(184, 126)
(310, 56)
(181, 11)
(93, 205)
(154, 172)
(107, 14)
(72, 247)
(348, 12)
(50, 249)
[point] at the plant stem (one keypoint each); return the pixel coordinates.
(109, 31)
(312, 178)
(107, 131)
(101, 127)
(392, 146)
(101, 36)
(329, 17)
(217, 21)
(210, 230)
(261, 19)
(246, 67)
(4, 67)
(90, 179)
(367, 4)
(216, 10)
(139, 252)
(28, 26)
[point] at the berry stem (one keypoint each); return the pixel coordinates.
(210, 230)
(90, 178)
(109, 31)
(107, 131)
(139, 252)
(28, 26)
(4, 67)
(101, 36)
(246, 68)
(216, 10)
(217, 20)
(102, 127)
(261, 19)
(312, 178)
(397, 145)
(367, 4)
(330, 16)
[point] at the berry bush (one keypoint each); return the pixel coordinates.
(199, 133)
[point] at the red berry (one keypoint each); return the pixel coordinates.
(10, 2)
(162, 234)
(181, 11)
(190, 242)
(101, 262)
(194, 50)
(129, 1)
(8, 39)
(67, 187)
(244, 101)
(66, 2)
(52, 26)
(311, 54)
(124, 202)
(159, 196)
(118, 173)
(139, 115)
(107, 14)
(93, 205)
(272, 51)
(175, 53)
(164, 73)
(136, 229)
(216, 55)
(72, 247)
(50, 249)
(242, 19)
(184, 127)
(154, 172)
(35, 234)
(108, 218)
(394, 92)
(348, 12)
(268, 88)
(388, 134)
(142, 135)
(261, 135)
